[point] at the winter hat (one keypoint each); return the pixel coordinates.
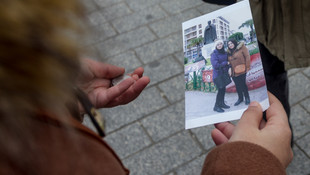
(217, 42)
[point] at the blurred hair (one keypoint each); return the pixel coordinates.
(38, 55)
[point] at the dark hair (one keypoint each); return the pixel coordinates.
(235, 44)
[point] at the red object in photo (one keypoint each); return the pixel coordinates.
(207, 76)
(255, 77)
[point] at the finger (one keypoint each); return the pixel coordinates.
(275, 113)
(131, 93)
(104, 70)
(139, 71)
(262, 124)
(135, 77)
(226, 128)
(218, 137)
(113, 92)
(252, 117)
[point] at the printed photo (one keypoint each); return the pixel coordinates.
(223, 72)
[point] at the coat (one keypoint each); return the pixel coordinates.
(282, 26)
(219, 63)
(240, 56)
(241, 158)
(65, 147)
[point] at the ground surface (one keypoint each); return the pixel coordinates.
(149, 134)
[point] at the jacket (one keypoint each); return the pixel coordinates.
(57, 146)
(219, 63)
(240, 56)
(241, 158)
(282, 26)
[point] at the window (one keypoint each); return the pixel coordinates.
(200, 31)
(200, 25)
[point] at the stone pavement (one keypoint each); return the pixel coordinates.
(148, 134)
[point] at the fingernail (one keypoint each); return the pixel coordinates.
(254, 104)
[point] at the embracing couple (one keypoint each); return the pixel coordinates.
(234, 63)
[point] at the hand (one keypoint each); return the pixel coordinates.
(274, 135)
(95, 81)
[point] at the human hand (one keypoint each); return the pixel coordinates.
(274, 135)
(95, 80)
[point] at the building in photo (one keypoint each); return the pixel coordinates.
(197, 31)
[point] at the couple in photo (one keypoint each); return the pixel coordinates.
(234, 63)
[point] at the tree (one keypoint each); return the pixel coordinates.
(196, 42)
(185, 60)
(249, 23)
(237, 36)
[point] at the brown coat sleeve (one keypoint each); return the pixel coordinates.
(246, 54)
(241, 158)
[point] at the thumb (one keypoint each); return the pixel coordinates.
(252, 117)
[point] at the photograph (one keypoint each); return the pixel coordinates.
(223, 72)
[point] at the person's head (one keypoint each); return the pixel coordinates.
(38, 55)
(232, 44)
(219, 45)
(209, 22)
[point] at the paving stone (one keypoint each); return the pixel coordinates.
(162, 69)
(173, 24)
(115, 11)
(106, 3)
(193, 168)
(300, 120)
(304, 143)
(307, 71)
(125, 42)
(148, 102)
(300, 164)
(306, 104)
(299, 88)
(128, 140)
(164, 156)
(137, 5)
(128, 60)
(203, 134)
(96, 18)
(165, 122)
(292, 71)
(139, 18)
(100, 33)
(207, 8)
(177, 6)
(160, 48)
(174, 88)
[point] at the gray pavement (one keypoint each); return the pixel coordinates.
(148, 134)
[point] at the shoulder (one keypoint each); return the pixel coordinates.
(241, 45)
(214, 53)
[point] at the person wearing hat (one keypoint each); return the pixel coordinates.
(221, 78)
